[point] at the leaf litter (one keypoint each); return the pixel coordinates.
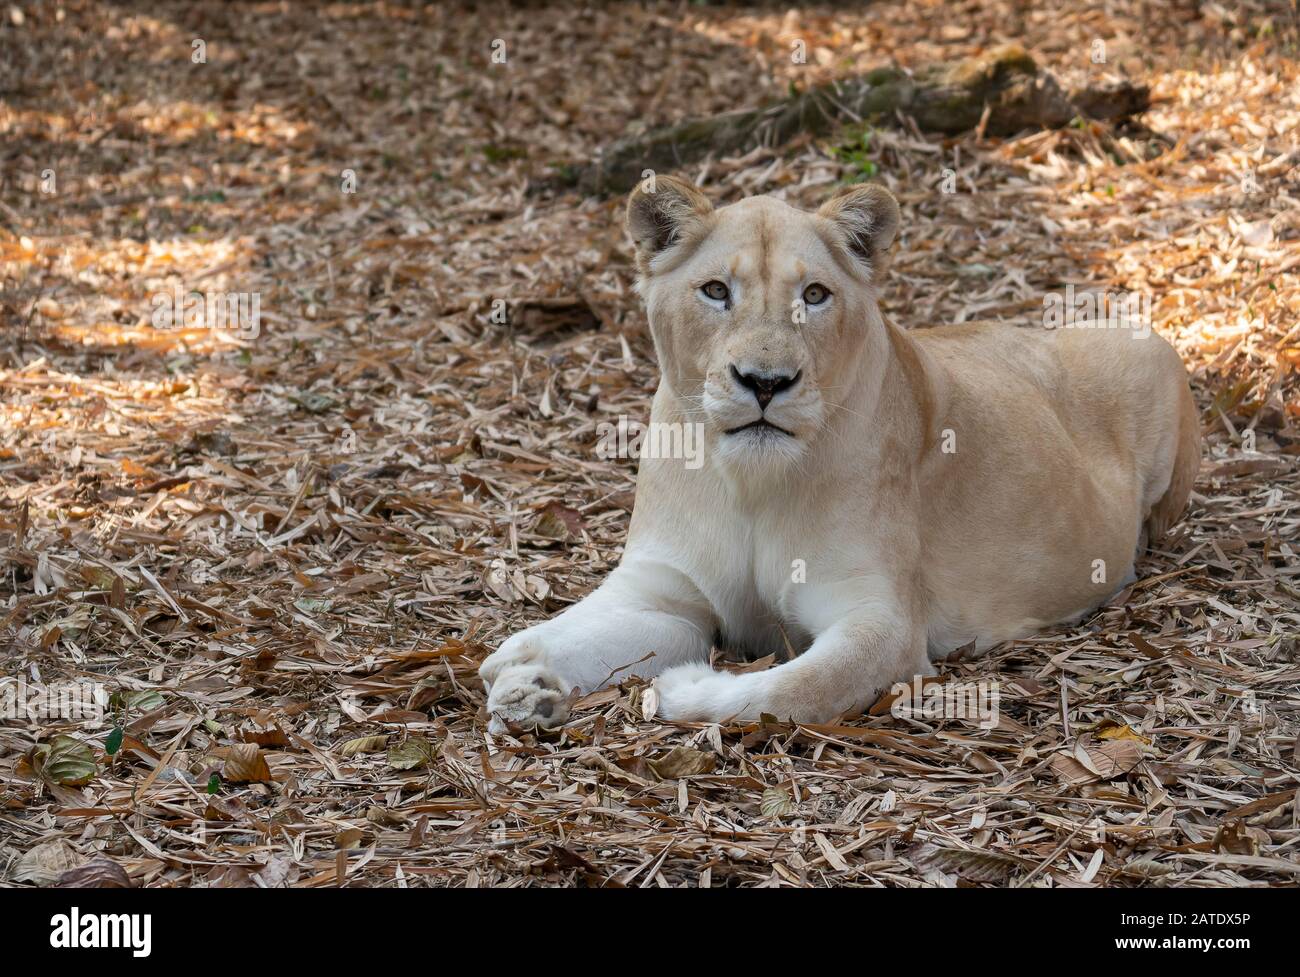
(284, 556)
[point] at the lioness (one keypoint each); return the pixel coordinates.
(870, 497)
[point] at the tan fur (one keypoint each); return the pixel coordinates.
(927, 488)
(1169, 509)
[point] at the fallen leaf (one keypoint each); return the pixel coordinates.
(977, 866)
(46, 863)
(682, 761)
(558, 522)
(416, 752)
(100, 873)
(364, 744)
(273, 738)
(246, 764)
(142, 700)
(1090, 762)
(384, 817)
(1236, 839)
(1112, 730)
(276, 873)
(349, 838)
(776, 803)
(64, 760)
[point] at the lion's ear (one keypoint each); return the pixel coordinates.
(660, 210)
(868, 218)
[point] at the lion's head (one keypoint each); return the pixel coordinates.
(763, 316)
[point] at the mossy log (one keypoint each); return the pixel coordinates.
(945, 98)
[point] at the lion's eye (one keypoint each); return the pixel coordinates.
(815, 294)
(716, 291)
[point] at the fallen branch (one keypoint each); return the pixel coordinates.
(949, 98)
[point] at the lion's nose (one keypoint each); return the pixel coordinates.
(765, 385)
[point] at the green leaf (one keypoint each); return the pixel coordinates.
(114, 741)
(214, 783)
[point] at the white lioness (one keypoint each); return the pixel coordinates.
(870, 498)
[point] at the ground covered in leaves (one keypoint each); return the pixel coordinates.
(284, 555)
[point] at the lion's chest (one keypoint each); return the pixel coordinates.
(755, 575)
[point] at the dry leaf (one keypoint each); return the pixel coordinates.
(246, 764)
(1112, 730)
(558, 522)
(144, 700)
(100, 873)
(47, 862)
(682, 761)
(364, 744)
(977, 866)
(64, 760)
(277, 873)
(1237, 838)
(384, 817)
(412, 754)
(1091, 762)
(776, 803)
(349, 838)
(274, 738)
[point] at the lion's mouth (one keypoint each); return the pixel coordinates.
(762, 424)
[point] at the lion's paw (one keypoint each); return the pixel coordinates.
(528, 696)
(522, 648)
(695, 692)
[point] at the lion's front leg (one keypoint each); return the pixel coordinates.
(643, 619)
(844, 671)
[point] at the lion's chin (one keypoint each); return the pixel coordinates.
(760, 447)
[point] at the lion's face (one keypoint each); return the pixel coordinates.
(761, 313)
